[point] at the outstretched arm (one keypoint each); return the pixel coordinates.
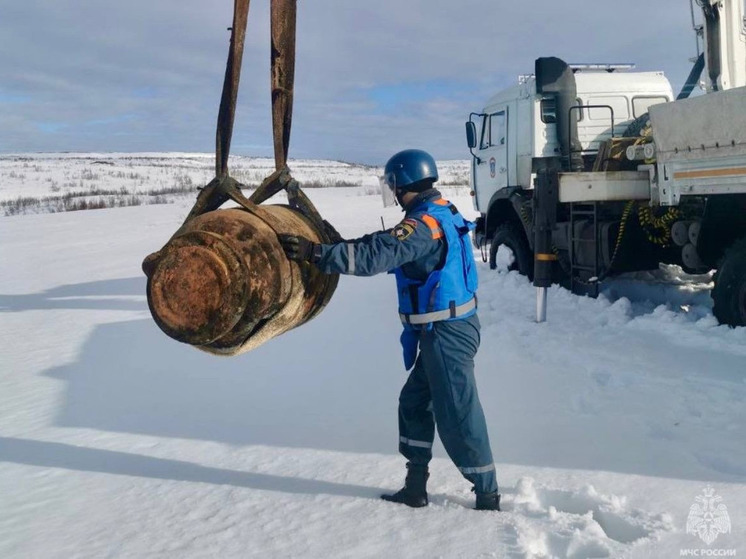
(369, 255)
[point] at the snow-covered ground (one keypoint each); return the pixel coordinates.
(116, 441)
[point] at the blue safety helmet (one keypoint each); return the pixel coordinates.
(409, 167)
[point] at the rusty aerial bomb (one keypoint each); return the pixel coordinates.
(223, 283)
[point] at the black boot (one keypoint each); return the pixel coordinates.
(488, 501)
(414, 492)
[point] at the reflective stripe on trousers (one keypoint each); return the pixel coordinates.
(411, 442)
(479, 470)
(351, 258)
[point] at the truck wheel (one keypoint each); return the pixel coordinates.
(519, 254)
(729, 293)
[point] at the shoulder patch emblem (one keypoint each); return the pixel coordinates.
(404, 229)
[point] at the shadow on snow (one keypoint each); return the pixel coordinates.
(97, 295)
(70, 457)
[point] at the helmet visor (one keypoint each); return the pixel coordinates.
(388, 185)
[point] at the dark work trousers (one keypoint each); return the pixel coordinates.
(441, 391)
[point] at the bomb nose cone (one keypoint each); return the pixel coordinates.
(197, 288)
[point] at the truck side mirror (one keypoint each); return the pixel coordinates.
(471, 135)
(471, 139)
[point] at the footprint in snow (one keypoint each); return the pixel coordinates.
(578, 524)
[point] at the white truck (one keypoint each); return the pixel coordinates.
(587, 171)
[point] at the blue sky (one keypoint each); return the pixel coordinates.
(394, 98)
(371, 78)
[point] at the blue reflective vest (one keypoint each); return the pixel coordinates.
(448, 292)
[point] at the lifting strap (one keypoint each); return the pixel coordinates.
(227, 111)
(222, 188)
(282, 23)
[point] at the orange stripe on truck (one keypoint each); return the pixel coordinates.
(707, 173)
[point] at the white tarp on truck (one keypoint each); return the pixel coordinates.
(701, 145)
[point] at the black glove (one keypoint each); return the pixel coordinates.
(298, 248)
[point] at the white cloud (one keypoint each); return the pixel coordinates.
(147, 75)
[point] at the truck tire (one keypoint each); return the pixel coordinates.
(508, 235)
(729, 293)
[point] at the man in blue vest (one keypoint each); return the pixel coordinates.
(430, 254)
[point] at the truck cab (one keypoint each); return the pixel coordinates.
(519, 124)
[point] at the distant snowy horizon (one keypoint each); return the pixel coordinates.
(69, 181)
(61, 154)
